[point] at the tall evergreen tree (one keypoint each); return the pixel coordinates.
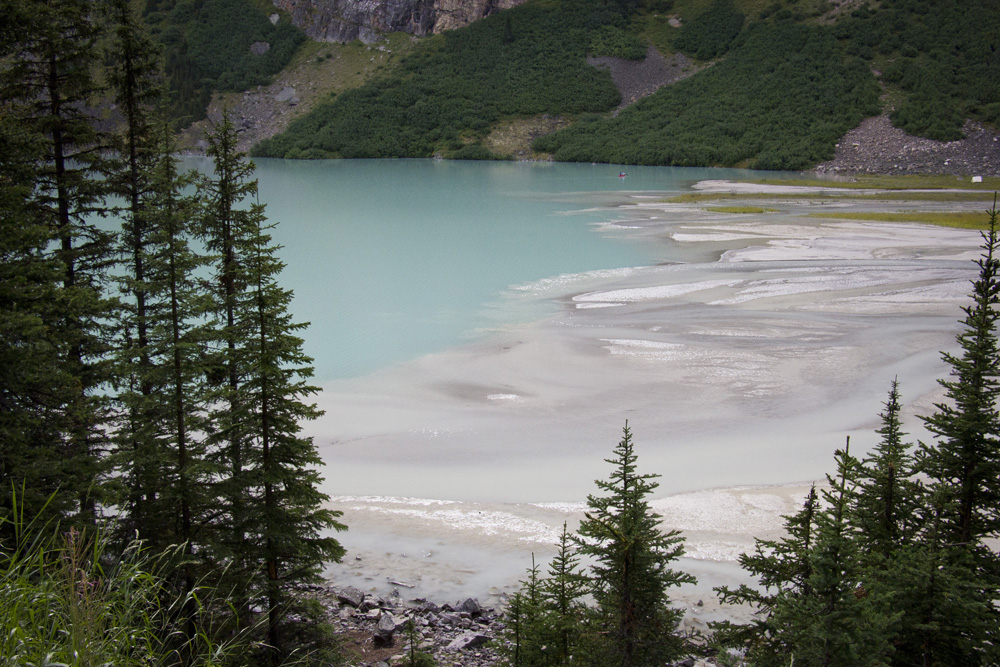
(562, 594)
(964, 463)
(132, 74)
(36, 388)
(783, 570)
(962, 466)
(225, 227)
(278, 524)
(842, 620)
(631, 573)
(47, 81)
(885, 510)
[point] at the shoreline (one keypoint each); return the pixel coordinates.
(714, 363)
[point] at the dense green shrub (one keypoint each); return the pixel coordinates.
(945, 61)
(711, 33)
(207, 44)
(780, 100)
(529, 60)
(615, 42)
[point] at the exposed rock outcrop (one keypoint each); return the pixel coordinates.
(346, 20)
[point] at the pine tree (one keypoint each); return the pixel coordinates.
(562, 594)
(631, 573)
(36, 388)
(47, 81)
(224, 227)
(526, 623)
(962, 469)
(277, 523)
(783, 570)
(132, 74)
(964, 464)
(946, 618)
(842, 620)
(885, 509)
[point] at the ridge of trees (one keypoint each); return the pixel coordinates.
(782, 90)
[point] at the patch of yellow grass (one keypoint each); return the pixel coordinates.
(899, 195)
(513, 137)
(741, 209)
(960, 220)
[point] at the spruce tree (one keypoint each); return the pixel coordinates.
(783, 569)
(963, 466)
(630, 572)
(562, 593)
(841, 620)
(132, 73)
(527, 623)
(885, 511)
(47, 82)
(36, 387)
(277, 524)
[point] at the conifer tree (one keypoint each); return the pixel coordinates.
(562, 594)
(885, 511)
(277, 525)
(132, 74)
(783, 570)
(842, 620)
(178, 341)
(526, 624)
(964, 463)
(631, 573)
(224, 227)
(36, 388)
(962, 468)
(47, 81)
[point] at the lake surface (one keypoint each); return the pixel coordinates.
(482, 331)
(392, 259)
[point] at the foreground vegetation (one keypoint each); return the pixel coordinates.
(890, 565)
(152, 382)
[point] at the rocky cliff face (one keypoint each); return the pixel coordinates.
(347, 20)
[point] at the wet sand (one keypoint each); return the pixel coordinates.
(739, 372)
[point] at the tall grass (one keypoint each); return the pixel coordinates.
(67, 601)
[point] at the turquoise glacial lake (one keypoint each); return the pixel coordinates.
(393, 259)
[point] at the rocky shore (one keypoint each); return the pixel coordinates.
(378, 631)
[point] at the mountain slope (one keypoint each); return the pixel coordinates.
(786, 81)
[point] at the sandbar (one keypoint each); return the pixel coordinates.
(739, 372)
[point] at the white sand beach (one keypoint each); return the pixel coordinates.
(739, 375)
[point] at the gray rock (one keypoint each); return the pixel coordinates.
(259, 48)
(469, 606)
(428, 608)
(385, 630)
(467, 641)
(287, 94)
(351, 596)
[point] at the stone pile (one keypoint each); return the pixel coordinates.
(461, 634)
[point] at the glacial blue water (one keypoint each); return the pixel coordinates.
(393, 259)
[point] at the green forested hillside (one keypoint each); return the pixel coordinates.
(207, 47)
(786, 80)
(780, 101)
(447, 94)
